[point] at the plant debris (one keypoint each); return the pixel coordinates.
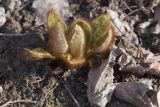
(76, 46)
(100, 84)
(41, 7)
(137, 93)
(2, 16)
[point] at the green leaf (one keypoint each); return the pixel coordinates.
(100, 27)
(53, 18)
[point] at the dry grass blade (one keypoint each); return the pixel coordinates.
(132, 13)
(126, 6)
(70, 93)
(37, 54)
(17, 101)
(17, 34)
(25, 5)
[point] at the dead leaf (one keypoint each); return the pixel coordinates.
(100, 83)
(152, 26)
(151, 60)
(136, 93)
(117, 23)
(156, 28)
(101, 86)
(42, 7)
(140, 61)
(134, 69)
(138, 53)
(157, 13)
(123, 28)
(149, 4)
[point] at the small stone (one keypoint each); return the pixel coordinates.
(10, 4)
(2, 16)
(1, 89)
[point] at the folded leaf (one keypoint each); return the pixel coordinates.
(78, 42)
(37, 54)
(100, 26)
(85, 25)
(57, 40)
(53, 19)
(107, 44)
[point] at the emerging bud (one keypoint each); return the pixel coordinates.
(78, 42)
(103, 33)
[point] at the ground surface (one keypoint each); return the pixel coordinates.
(39, 80)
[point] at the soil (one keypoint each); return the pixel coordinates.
(43, 81)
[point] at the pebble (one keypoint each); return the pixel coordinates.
(2, 16)
(1, 89)
(12, 5)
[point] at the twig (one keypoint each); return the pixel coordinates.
(70, 93)
(36, 81)
(131, 7)
(17, 101)
(117, 27)
(15, 34)
(134, 45)
(132, 13)
(46, 94)
(22, 7)
(127, 6)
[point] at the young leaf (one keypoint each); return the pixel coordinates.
(78, 42)
(107, 44)
(85, 25)
(100, 27)
(57, 40)
(53, 19)
(37, 54)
